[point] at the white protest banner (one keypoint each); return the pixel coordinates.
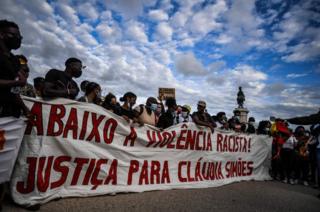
(75, 149)
(11, 134)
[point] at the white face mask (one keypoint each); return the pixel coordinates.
(184, 114)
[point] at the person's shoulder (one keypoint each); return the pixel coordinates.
(53, 75)
(54, 72)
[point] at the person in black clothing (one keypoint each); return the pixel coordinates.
(167, 119)
(110, 103)
(264, 128)
(38, 84)
(203, 118)
(60, 83)
(128, 99)
(12, 78)
(92, 94)
(251, 129)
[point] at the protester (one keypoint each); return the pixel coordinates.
(110, 103)
(280, 136)
(251, 128)
(38, 84)
(128, 99)
(146, 113)
(167, 119)
(234, 123)
(177, 119)
(83, 86)
(12, 78)
(203, 118)
(28, 89)
(60, 83)
(313, 119)
(185, 114)
(264, 128)
(313, 143)
(222, 121)
(302, 165)
(287, 156)
(92, 94)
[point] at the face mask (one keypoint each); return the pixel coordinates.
(184, 114)
(153, 107)
(12, 42)
(251, 122)
(77, 74)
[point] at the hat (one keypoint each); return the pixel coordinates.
(202, 103)
(187, 107)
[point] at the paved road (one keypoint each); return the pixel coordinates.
(244, 196)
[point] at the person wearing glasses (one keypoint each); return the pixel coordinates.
(60, 83)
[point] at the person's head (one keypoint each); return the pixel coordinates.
(93, 89)
(158, 110)
(129, 98)
(221, 117)
(252, 120)
(38, 84)
(10, 35)
(110, 101)
(83, 85)
(186, 110)
(74, 66)
(152, 103)
(171, 103)
(201, 106)
(23, 64)
(179, 109)
(299, 131)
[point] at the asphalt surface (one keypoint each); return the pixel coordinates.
(244, 196)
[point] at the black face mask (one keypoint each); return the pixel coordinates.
(12, 42)
(77, 74)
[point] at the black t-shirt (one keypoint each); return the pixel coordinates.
(165, 120)
(61, 81)
(128, 113)
(9, 68)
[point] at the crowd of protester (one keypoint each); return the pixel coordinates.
(295, 153)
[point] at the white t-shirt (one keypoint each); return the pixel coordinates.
(290, 142)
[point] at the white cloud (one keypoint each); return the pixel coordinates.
(164, 31)
(88, 10)
(68, 13)
(109, 32)
(296, 27)
(129, 9)
(205, 20)
(293, 75)
(136, 31)
(217, 66)
(158, 15)
(188, 65)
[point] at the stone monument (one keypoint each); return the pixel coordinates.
(241, 110)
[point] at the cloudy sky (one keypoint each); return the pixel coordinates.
(204, 49)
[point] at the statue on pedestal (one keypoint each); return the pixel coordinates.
(240, 98)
